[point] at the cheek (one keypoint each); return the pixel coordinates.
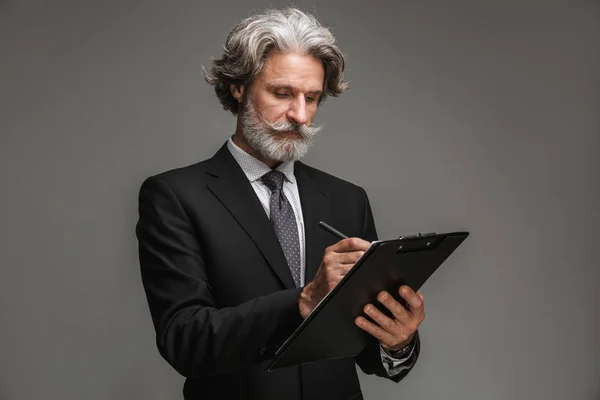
(311, 114)
(274, 112)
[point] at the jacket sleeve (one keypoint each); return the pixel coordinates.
(369, 360)
(192, 334)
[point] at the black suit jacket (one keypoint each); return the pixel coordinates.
(220, 293)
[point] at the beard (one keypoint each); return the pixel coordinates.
(278, 141)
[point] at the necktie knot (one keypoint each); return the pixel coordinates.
(273, 180)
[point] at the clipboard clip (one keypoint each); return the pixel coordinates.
(418, 245)
(417, 235)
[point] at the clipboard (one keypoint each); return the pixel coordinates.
(329, 331)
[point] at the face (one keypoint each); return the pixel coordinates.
(278, 109)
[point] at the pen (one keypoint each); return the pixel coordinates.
(333, 231)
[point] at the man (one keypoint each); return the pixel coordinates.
(231, 256)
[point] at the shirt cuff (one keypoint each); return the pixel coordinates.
(392, 365)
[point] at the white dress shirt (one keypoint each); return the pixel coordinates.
(254, 170)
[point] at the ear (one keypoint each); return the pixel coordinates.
(237, 92)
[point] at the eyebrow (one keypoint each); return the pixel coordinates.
(291, 89)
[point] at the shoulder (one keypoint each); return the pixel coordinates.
(182, 175)
(179, 180)
(330, 183)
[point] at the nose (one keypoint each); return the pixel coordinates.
(297, 111)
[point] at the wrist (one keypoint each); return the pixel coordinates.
(401, 348)
(305, 301)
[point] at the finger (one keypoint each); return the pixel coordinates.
(413, 300)
(350, 244)
(380, 318)
(421, 296)
(376, 331)
(342, 269)
(350, 257)
(398, 311)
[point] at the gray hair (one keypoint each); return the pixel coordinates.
(249, 43)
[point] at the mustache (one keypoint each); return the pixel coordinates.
(286, 126)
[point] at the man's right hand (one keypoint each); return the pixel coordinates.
(337, 261)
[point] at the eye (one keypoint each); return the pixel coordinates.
(281, 95)
(310, 99)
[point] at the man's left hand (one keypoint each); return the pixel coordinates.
(394, 334)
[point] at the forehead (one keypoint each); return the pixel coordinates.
(303, 72)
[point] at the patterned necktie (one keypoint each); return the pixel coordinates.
(283, 220)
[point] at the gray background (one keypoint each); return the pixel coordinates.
(480, 115)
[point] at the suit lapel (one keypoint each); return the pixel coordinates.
(235, 192)
(315, 208)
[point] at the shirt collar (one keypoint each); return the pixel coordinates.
(254, 168)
